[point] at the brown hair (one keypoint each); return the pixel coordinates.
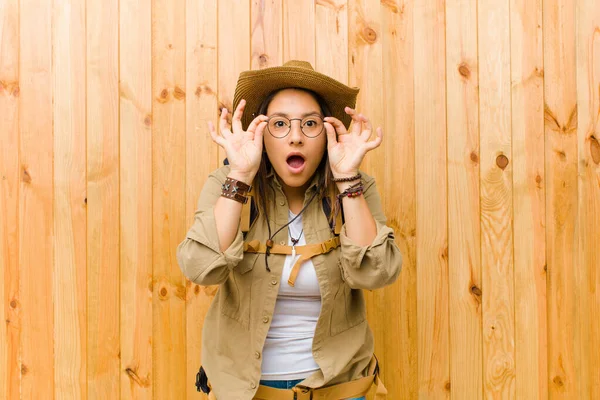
(325, 186)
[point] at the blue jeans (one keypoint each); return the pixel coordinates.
(291, 384)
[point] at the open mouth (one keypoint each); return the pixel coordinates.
(296, 163)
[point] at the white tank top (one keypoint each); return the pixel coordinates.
(287, 353)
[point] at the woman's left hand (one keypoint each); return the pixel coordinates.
(348, 148)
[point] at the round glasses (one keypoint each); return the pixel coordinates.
(279, 126)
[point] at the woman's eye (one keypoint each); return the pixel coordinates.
(310, 123)
(279, 124)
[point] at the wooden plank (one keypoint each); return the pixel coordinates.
(233, 23)
(35, 200)
(332, 47)
(10, 318)
(529, 199)
(168, 183)
(103, 346)
(560, 95)
(267, 33)
(397, 188)
(365, 70)
(70, 308)
(464, 233)
(299, 31)
(135, 177)
(431, 198)
(201, 156)
(496, 200)
(587, 273)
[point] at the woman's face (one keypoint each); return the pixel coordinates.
(294, 157)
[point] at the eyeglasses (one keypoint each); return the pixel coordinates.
(280, 126)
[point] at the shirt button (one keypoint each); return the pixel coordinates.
(282, 243)
(274, 282)
(265, 319)
(281, 202)
(253, 385)
(257, 355)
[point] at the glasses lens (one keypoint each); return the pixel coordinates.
(312, 125)
(279, 126)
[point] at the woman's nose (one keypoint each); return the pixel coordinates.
(296, 136)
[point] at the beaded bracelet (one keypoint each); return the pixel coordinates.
(353, 191)
(348, 179)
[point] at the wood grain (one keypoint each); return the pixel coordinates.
(266, 31)
(496, 200)
(464, 232)
(431, 199)
(299, 31)
(70, 231)
(560, 127)
(168, 198)
(135, 198)
(103, 344)
(527, 81)
(10, 317)
(331, 23)
(201, 155)
(397, 189)
(587, 273)
(36, 257)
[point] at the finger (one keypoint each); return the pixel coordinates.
(213, 134)
(357, 123)
(223, 124)
(331, 139)
(373, 144)
(337, 124)
(368, 127)
(258, 134)
(255, 122)
(236, 121)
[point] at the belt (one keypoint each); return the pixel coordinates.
(355, 388)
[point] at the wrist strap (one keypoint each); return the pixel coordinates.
(235, 190)
(348, 179)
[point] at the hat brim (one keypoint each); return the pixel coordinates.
(254, 86)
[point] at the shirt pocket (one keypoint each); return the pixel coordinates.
(237, 290)
(348, 309)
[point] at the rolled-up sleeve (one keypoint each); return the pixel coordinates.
(199, 255)
(377, 264)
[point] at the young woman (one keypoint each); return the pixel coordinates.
(289, 318)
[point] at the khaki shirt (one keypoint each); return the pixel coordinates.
(239, 317)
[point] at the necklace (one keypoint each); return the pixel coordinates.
(295, 242)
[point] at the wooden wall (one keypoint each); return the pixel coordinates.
(489, 174)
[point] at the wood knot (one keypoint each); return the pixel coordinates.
(170, 46)
(558, 381)
(132, 374)
(464, 71)
(198, 91)
(24, 369)
(162, 293)
(502, 161)
(595, 149)
(538, 179)
(474, 157)
(197, 289)
(475, 290)
(369, 35)
(13, 304)
(447, 386)
(25, 177)
(148, 120)
(16, 90)
(444, 253)
(178, 93)
(164, 96)
(263, 60)
(85, 200)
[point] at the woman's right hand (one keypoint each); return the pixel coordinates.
(243, 148)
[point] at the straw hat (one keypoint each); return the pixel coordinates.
(255, 85)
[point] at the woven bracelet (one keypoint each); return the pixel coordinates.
(348, 179)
